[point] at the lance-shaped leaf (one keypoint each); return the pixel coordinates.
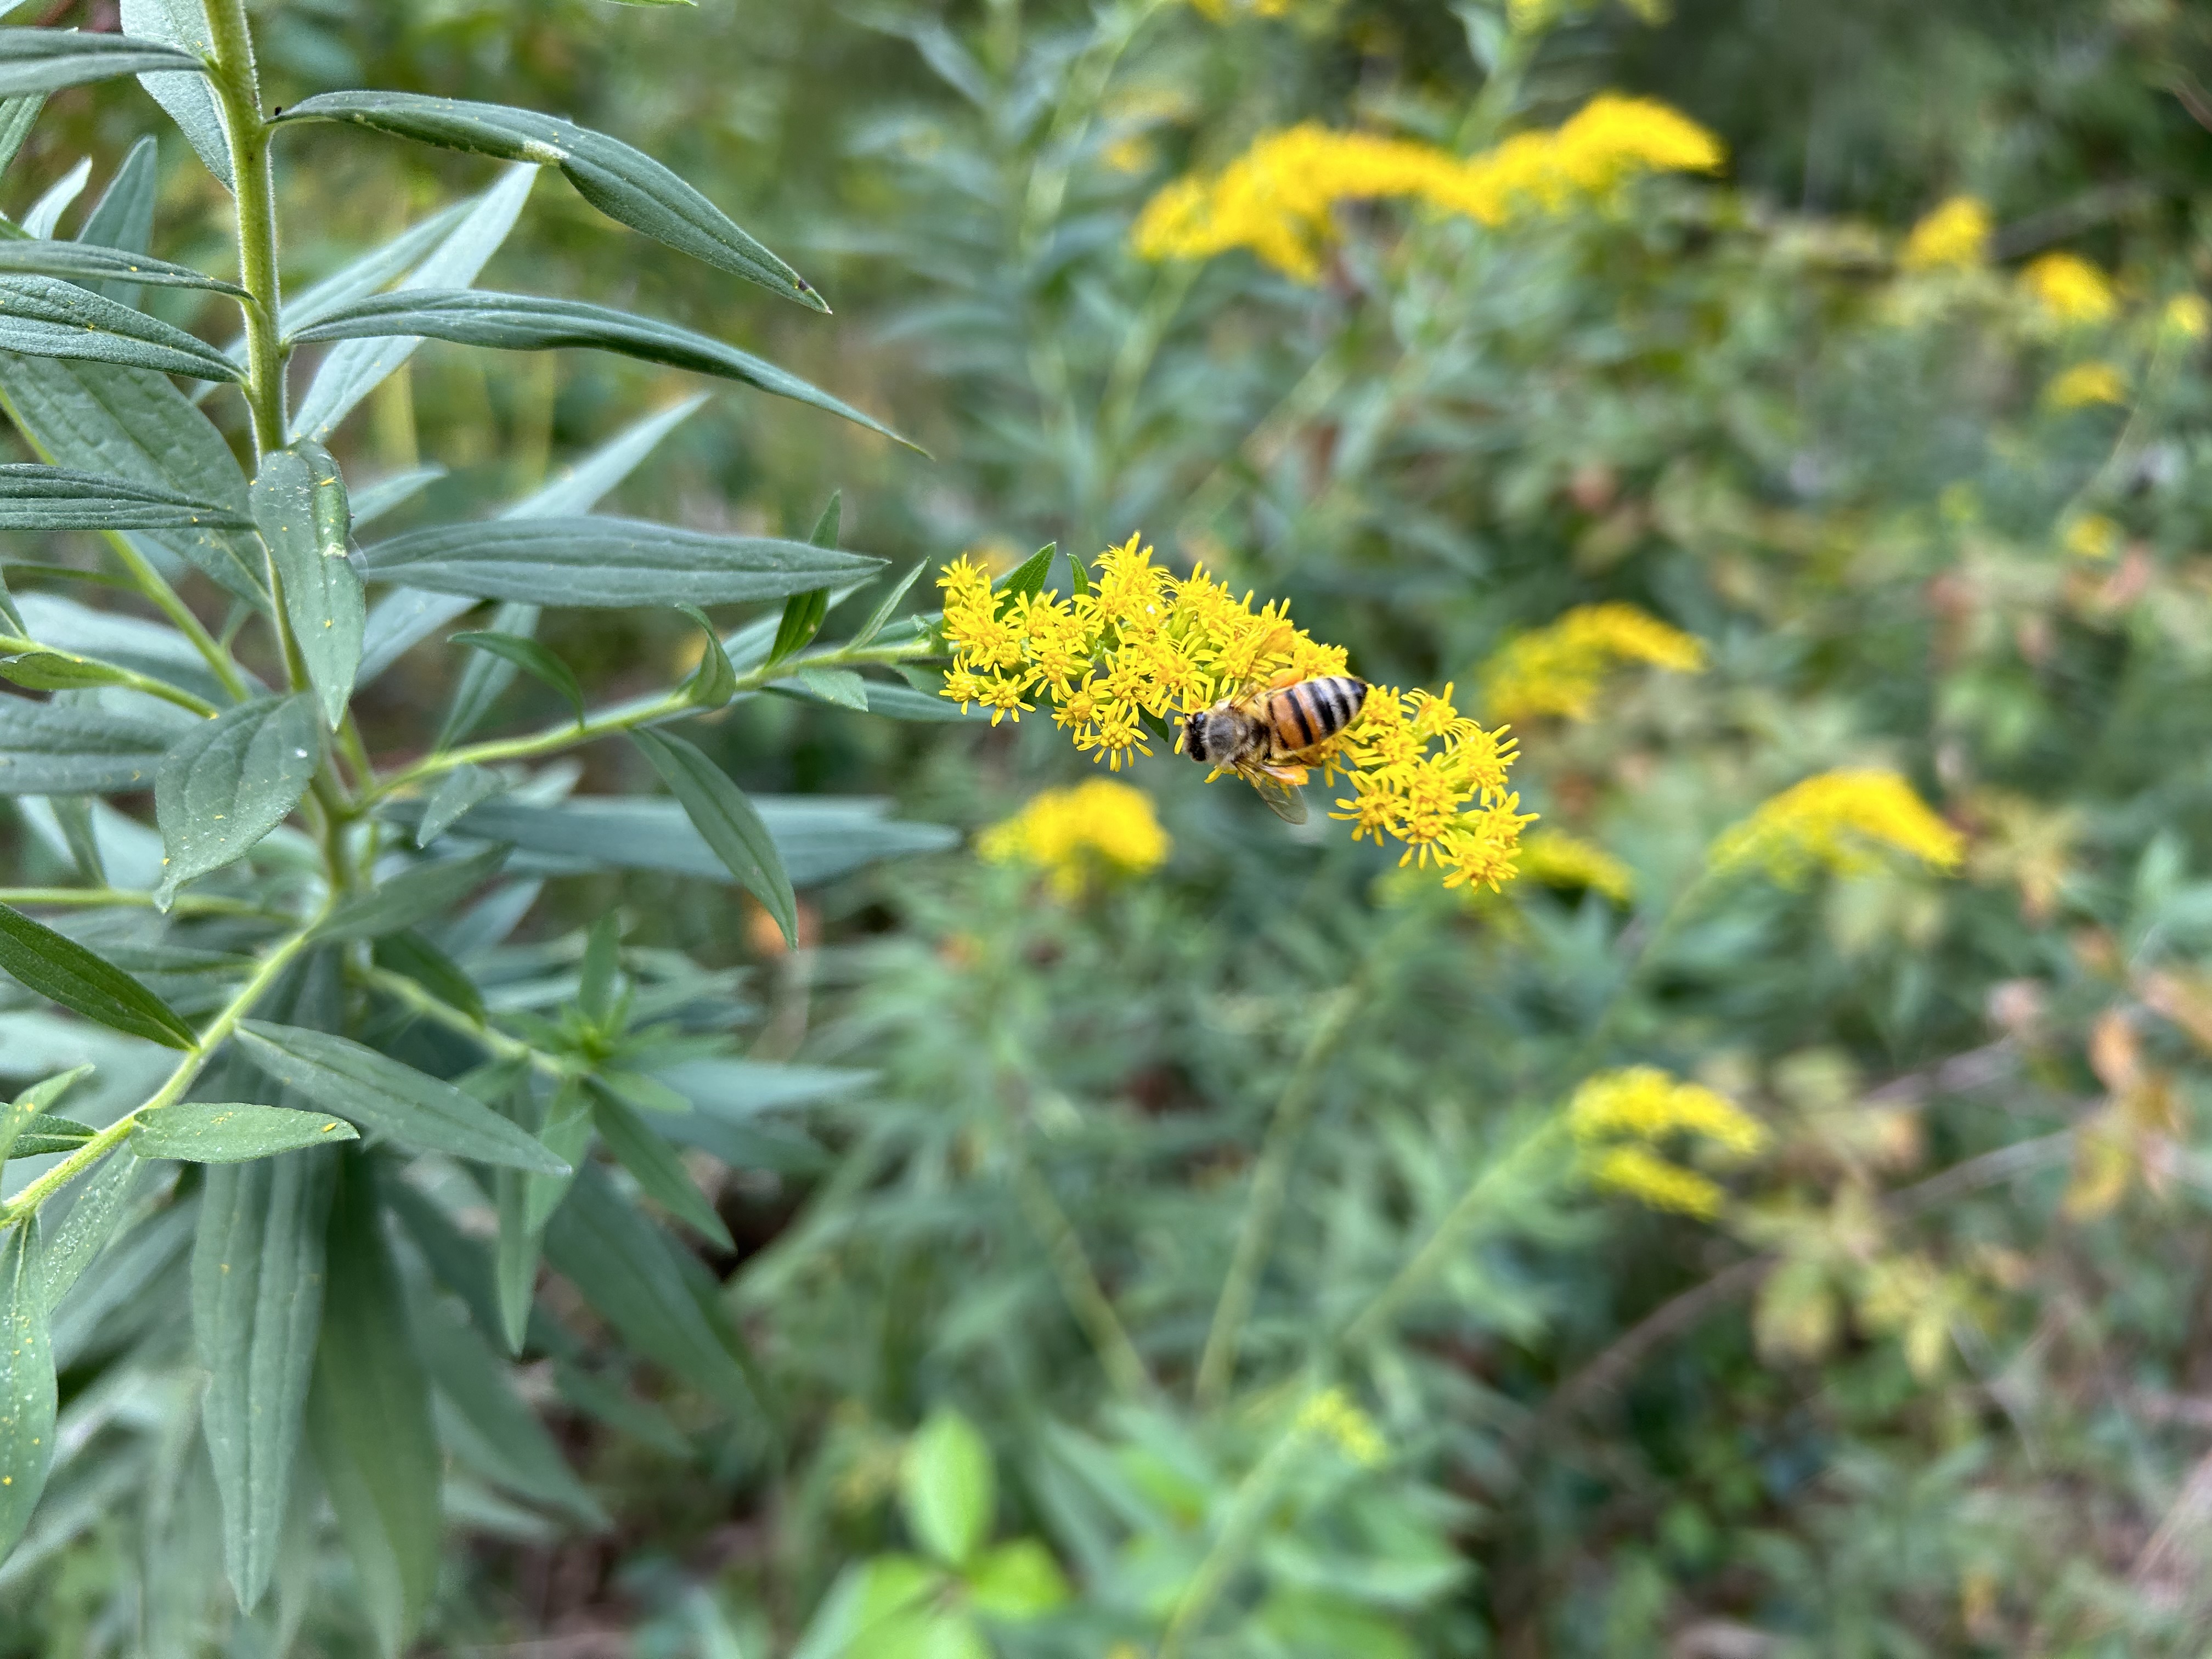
(90, 1224)
(463, 788)
(122, 218)
(605, 561)
(623, 183)
(256, 1305)
(45, 317)
(714, 681)
(17, 117)
(132, 423)
(530, 322)
(27, 1395)
(69, 749)
(233, 1132)
(372, 500)
(187, 97)
(370, 1415)
(230, 780)
(534, 660)
(299, 505)
(44, 1133)
(415, 895)
(410, 955)
(46, 60)
(80, 262)
(41, 218)
(378, 1093)
(728, 821)
(658, 1166)
(59, 969)
(34, 497)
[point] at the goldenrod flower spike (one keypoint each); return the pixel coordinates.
(1955, 237)
(2068, 290)
(1620, 1118)
(1835, 821)
(1560, 668)
(1141, 644)
(2085, 383)
(1074, 834)
(1556, 860)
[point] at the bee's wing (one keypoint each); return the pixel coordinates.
(1284, 802)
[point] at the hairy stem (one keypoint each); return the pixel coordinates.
(156, 587)
(97, 899)
(239, 91)
(10, 645)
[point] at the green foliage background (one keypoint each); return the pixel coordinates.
(966, 1173)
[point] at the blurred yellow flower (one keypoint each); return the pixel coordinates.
(2085, 383)
(1132, 153)
(1557, 859)
(2093, 536)
(1559, 669)
(1221, 11)
(1832, 821)
(1135, 643)
(1276, 198)
(1334, 1415)
(1073, 834)
(1620, 1118)
(2187, 315)
(2068, 289)
(1955, 236)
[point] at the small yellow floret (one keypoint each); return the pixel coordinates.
(1642, 1102)
(2093, 535)
(1074, 835)
(1641, 1174)
(2187, 315)
(1557, 859)
(1559, 669)
(1334, 1414)
(1832, 820)
(2085, 383)
(1953, 237)
(2068, 289)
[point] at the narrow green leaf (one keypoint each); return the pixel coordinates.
(534, 660)
(714, 681)
(1017, 1582)
(484, 677)
(726, 820)
(374, 501)
(888, 606)
(803, 617)
(624, 184)
(34, 497)
(619, 1410)
(43, 215)
(122, 220)
(17, 117)
(369, 1412)
(300, 506)
(1028, 577)
(620, 1264)
(14, 1117)
(73, 816)
(9, 610)
(659, 1169)
(44, 1133)
(45, 317)
(407, 953)
(946, 1488)
(57, 670)
(155, 649)
(416, 894)
(532, 322)
(258, 1297)
(28, 1393)
(68, 749)
(601, 976)
(841, 687)
(383, 264)
(603, 561)
(46, 60)
(80, 262)
(187, 97)
(60, 970)
(377, 1093)
(567, 1135)
(463, 788)
(230, 780)
(93, 1216)
(203, 1131)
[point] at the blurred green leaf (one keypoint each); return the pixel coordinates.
(299, 505)
(27, 1395)
(44, 317)
(258, 1298)
(90, 262)
(659, 1171)
(534, 660)
(122, 218)
(374, 499)
(228, 781)
(1016, 1582)
(93, 1216)
(714, 682)
(57, 670)
(947, 1490)
(203, 1132)
(726, 820)
(60, 970)
(841, 687)
(459, 790)
(370, 1088)
(187, 97)
(416, 894)
(46, 60)
(623, 183)
(1028, 577)
(17, 117)
(601, 970)
(53, 748)
(409, 953)
(46, 1133)
(34, 497)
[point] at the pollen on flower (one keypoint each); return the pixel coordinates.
(1954, 236)
(2068, 289)
(1554, 859)
(1136, 646)
(2085, 383)
(1835, 821)
(1560, 668)
(1276, 199)
(1073, 835)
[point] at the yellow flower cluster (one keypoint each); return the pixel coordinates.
(1620, 1118)
(1334, 1415)
(1557, 859)
(1276, 198)
(1955, 236)
(1221, 11)
(2085, 383)
(1559, 669)
(1832, 820)
(2187, 315)
(2093, 536)
(2070, 290)
(1073, 834)
(1137, 644)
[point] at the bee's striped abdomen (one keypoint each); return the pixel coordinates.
(1311, 712)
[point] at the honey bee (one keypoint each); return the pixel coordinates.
(1265, 736)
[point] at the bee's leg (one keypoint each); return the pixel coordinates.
(1294, 776)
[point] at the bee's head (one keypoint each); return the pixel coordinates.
(1194, 727)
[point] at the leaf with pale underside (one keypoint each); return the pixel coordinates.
(45, 317)
(46, 60)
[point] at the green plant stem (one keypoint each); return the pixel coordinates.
(1086, 1297)
(188, 1068)
(156, 587)
(401, 989)
(12, 645)
(117, 898)
(647, 711)
(1248, 1511)
(239, 90)
(1263, 1207)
